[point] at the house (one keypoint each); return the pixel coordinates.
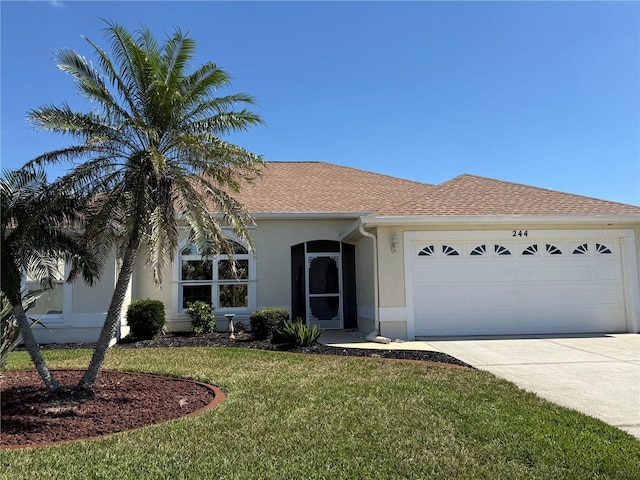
(346, 248)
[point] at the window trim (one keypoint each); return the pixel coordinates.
(215, 281)
(67, 303)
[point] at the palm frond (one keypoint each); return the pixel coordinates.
(177, 53)
(116, 81)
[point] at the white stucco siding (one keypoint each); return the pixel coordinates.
(84, 310)
(273, 240)
(91, 299)
(271, 282)
(391, 267)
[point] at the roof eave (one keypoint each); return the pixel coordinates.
(498, 219)
(306, 215)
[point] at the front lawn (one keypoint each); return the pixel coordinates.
(295, 417)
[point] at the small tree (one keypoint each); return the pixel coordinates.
(39, 227)
(152, 153)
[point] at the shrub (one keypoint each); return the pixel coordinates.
(264, 322)
(146, 318)
(299, 334)
(203, 319)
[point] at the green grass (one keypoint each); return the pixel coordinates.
(296, 417)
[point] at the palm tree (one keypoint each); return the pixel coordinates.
(38, 225)
(152, 153)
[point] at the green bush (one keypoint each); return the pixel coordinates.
(203, 319)
(145, 318)
(264, 322)
(299, 334)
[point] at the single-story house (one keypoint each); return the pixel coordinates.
(346, 248)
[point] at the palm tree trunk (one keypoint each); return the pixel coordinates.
(113, 316)
(32, 347)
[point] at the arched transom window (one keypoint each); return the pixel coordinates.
(214, 280)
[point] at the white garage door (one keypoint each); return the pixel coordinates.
(517, 282)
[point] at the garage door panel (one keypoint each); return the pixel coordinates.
(606, 272)
(477, 273)
(454, 273)
(553, 290)
(581, 272)
(557, 273)
(505, 273)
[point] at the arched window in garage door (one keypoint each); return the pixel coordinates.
(602, 249)
(427, 251)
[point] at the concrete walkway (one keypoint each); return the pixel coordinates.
(598, 375)
(356, 339)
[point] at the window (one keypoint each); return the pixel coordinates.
(581, 249)
(479, 250)
(449, 251)
(215, 279)
(50, 302)
(552, 249)
(501, 250)
(427, 251)
(602, 249)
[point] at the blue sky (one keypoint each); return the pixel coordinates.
(541, 93)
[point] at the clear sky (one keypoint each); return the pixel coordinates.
(541, 93)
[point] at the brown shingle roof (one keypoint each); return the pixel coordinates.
(472, 195)
(318, 187)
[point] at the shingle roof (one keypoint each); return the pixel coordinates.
(473, 195)
(318, 187)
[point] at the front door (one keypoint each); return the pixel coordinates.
(324, 287)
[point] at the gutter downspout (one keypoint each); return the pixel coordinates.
(374, 336)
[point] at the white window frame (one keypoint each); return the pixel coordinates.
(49, 318)
(216, 282)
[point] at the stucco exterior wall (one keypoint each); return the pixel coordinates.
(391, 267)
(272, 240)
(84, 310)
(145, 287)
(85, 307)
(89, 299)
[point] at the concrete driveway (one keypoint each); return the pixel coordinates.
(595, 374)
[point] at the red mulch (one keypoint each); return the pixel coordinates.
(123, 401)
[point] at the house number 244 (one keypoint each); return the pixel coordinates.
(520, 233)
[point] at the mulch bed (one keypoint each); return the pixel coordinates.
(246, 340)
(125, 401)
